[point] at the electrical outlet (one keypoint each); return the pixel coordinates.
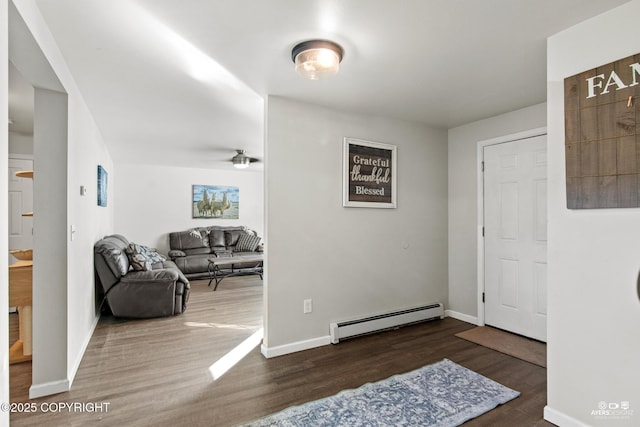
(308, 306)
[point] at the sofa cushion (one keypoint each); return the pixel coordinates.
(170, 265)
(247, 243)
(115, 258)
(216, 238)
(231, 237)
(194, 264)
(197, 251)
(112, 250)
(175, 253)
(190, 239)
(222, 252)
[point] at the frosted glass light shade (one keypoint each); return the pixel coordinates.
(317, 59)
(242, 164)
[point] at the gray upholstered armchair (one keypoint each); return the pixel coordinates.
(160, 291)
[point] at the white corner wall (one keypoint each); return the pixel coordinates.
(153, 201)
(594, 255)
(463, 199)
(349, 261)
(4, 214)
(50, 274)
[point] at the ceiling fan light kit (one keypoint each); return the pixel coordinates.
(241, 160)
(317, 59)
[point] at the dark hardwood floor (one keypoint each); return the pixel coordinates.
(156, 372)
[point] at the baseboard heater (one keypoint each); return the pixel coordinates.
(380, 322)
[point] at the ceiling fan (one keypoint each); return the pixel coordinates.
(242, 161)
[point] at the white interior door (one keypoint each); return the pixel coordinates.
(515, 243)
(20, 201)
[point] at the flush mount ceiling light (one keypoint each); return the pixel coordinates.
(241, 160)
(317, 59)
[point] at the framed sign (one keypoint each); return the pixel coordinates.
(602, 139)
(369, 174)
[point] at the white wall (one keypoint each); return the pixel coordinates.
(153, 201)
(349, 261)
(86, 150)
(463, 199)
(20, 144)
(64, 314)
(4, 214)
(594, 255)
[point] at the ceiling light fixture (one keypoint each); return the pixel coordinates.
(317, 59)
(241, 160)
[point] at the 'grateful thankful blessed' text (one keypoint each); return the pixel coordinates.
(369, 174)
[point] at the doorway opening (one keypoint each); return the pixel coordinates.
(48, 279)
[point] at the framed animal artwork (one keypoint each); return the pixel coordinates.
(215, 201)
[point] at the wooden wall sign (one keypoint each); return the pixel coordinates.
(602, 144)
(369, 174)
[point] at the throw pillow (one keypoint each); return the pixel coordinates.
(142, 257)
(202, 234)
(153, 256)
(247, 243)
(137, 258)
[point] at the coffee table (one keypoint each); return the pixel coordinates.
(221, 267)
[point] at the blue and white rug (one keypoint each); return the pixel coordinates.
(442, 394)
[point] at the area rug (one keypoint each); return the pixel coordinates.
(523, 348)
(442, 394)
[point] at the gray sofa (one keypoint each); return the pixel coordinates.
(161, 291)
(191, 249)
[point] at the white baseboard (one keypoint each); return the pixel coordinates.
(326, 340)
(74, 368)
(560, 419)
(46, 389)
(461, 316)
(294, 347)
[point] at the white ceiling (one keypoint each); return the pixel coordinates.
(183, 82)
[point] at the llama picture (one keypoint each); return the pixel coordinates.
(215, 201)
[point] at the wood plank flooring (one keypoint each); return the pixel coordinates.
(156, 372)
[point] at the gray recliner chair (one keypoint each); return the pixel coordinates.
(162, 291)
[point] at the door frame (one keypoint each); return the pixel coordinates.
(480, 204)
